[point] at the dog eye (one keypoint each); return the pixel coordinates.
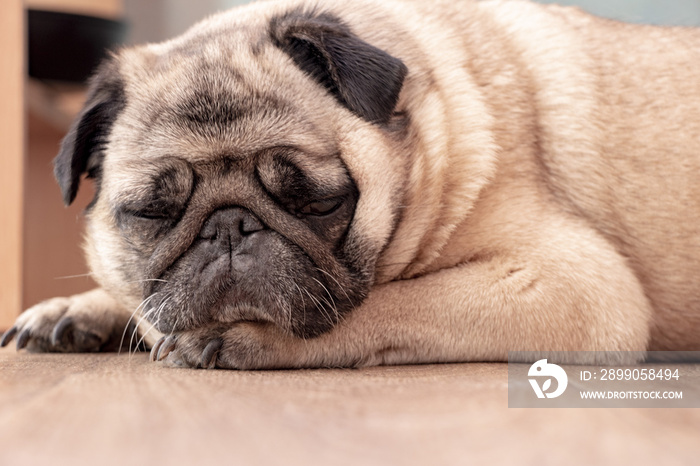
(323, 207)
(150, 215)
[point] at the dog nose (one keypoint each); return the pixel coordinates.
(232, 224)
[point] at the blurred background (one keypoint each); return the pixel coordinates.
(47, 49)
(154, 20)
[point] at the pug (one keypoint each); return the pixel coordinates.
(330, 184)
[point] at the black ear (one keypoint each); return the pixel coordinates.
(81, 149)
(365, 79)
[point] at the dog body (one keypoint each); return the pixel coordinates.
(337, 184)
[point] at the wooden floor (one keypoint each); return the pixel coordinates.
(111, 409)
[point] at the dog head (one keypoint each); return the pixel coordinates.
(248, 170)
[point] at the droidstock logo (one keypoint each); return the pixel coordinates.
(542, 369)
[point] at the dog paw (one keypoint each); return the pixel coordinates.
(244, 345)
(82, 323)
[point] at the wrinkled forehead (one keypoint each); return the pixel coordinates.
(233, 93)
(221, 100)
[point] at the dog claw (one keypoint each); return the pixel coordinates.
(23, 339)
(156, 347)
(211, 351)
(60, 330)
(167, 346)
(7, 337)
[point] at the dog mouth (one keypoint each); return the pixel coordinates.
(266, 280)
(305, 314)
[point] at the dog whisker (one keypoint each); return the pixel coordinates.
(131, 318)
(82, 275)
(341, 287)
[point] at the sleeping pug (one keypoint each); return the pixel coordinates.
(310, 184)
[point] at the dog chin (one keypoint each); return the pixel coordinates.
(248, 313)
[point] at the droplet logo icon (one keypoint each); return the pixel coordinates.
(542, 369)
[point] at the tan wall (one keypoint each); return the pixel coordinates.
(11, 157)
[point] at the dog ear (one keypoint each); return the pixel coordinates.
(82, 148)
(365, 79)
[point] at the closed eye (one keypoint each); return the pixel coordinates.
(149, 215)
(322, 207)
